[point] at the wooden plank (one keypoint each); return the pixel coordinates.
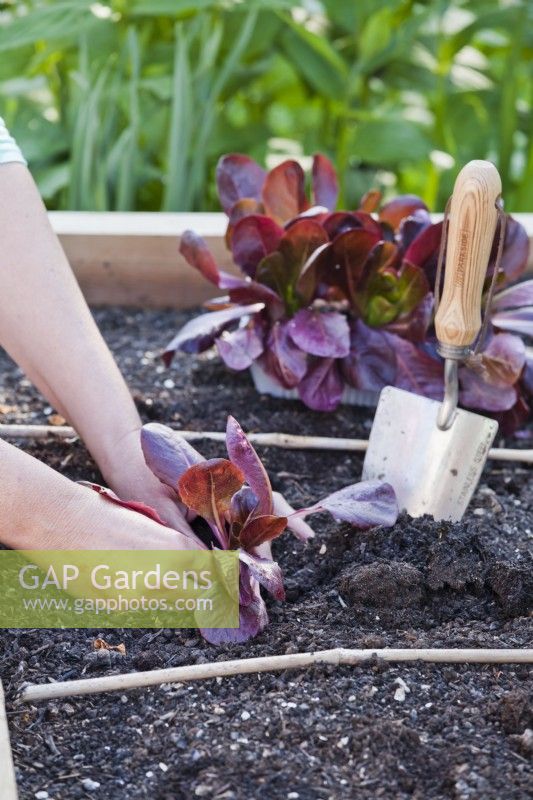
(137, 270)
(7, 777)
(132, 258)
(137, 223)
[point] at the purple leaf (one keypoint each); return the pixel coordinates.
(521, 294)
(370, 201)
(283, 359)
(208, 487)
(339, 222)
(253, 238)
(502, 360)
(238, 177)
(295, 522)
(262, 529)
(284, 192)
(230, 282)
(319, 333)
(346, 265)
(265, 572)
(371, 225)
(167, 453)
(352, 250)
(200, 333)
(194, 249)
(527, 376)
(317, 268)
(133, 505)
(477, 393)
(253, 616)
(248, 291)
(243, 455)
(365, 505)
(371, 362)
(402, 206)
(242, 208)
(424, 249)
(512, 420)
(382, 259)
(417, 371)
(325, 184)
(412, 226)
(488, 380)
(515, 252)
(315, 213)
(239, 349)
(280, 270)
(299, 242)
(243, 505)
(519, 320)
(272, 272)
(321, 388)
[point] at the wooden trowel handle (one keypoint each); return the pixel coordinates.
(472, 223)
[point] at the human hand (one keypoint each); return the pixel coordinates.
(128, 476)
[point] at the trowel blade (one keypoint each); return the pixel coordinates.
(432, 471)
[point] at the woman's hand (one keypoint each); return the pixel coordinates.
(108, 526)
(126, 473)
(42, 510)
(58, 345)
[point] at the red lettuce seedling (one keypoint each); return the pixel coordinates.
(334, 299)
(234, 497)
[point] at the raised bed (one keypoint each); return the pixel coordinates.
(369, 731)
(132, 259)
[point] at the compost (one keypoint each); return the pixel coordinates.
(420, 731)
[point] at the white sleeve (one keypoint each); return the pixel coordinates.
(9, 150)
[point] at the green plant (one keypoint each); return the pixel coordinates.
(128, 104)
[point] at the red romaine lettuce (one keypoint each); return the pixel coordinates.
(335, 299)
(234, 497)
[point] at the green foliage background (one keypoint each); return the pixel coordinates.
(127, 104)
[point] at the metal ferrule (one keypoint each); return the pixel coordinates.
(453, 352)
(448, 407)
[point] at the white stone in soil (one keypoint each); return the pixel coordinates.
(401, 691)
(89, 785)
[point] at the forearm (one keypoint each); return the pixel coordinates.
(46, 327)
(42, 510)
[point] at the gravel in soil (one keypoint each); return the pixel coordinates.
(394, 731)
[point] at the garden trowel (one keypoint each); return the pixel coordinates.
(432, 452)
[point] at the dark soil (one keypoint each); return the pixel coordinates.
(374, 731)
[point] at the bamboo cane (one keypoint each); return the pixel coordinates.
(287, 441)
(7, 779)
(246, 666)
